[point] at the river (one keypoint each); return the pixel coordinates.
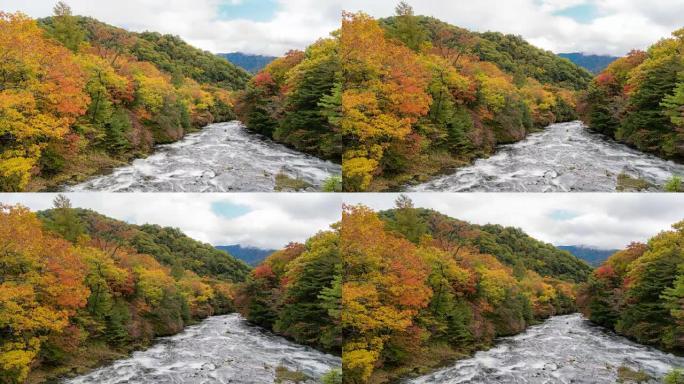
(563, 158)
(564, 349)
(220, 158)
(221, 349)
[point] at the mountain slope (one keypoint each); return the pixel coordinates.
(639, 291)
(639, 99)
(81, 289)
(169, 246)
(296, 100)
(511, 246)
(167, 52)
(106, 97)
(296, 292)
(250, 255)
(593, 256)
(423, 97)
(250, 63)
(593, 63)
(421, 289)
(511, 53)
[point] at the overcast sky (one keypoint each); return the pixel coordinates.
(276, 26)
(607, 221)
(265, 220)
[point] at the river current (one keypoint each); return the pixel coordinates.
(221, 349)
(563, 158)
(563, 350)
(221, 157)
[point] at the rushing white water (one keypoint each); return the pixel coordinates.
(222, 157)
(564, 349)
(562, 158)
(222, 349)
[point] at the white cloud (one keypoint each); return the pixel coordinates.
(619, 26)
(597, 220)
(273, 220)
(296, 24)
(605, 221)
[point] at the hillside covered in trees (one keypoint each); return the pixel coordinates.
(639, 291)
(297, 292)
(297, 100)
(78, 288)
(421, 96)
(79, 96)
(639, 99)
(421, 289)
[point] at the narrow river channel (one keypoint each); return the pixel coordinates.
(564, 349)
(221, 349)
(563, 158)
(222, 157)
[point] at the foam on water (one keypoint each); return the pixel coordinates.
(563, 158)
(220, 158)
(564, 349)
(222, 349)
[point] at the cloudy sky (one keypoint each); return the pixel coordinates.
(276, 26)
(607, 221)
(593, 26)
(263, 220)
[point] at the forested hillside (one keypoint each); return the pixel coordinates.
(510, 246)
(296, 100)
(639, 291)
(79, 96)
(639, 99)
(421, 289)
(297, 292)
(78, 288)
(421, 96)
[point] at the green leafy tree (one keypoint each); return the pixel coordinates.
(407, 27)
(66, 27)
(407, 221)
(64, 220)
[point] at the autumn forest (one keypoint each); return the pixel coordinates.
(321, 192)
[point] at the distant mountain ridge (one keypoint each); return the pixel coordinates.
(250, 255)
(591, 255)
(594, 63)
(249, 62)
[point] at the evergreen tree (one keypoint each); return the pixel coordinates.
(304, 316)
(66, 27)
(65, 220)
(116, 129)
(645, 124)
(408, 28)
(407, 220)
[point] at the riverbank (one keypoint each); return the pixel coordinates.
(563, 348)
(222, 157)
(564, 157)
(219, 347)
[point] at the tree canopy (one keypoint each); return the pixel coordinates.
(79, 96)
(420, 288)
(420, 96)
